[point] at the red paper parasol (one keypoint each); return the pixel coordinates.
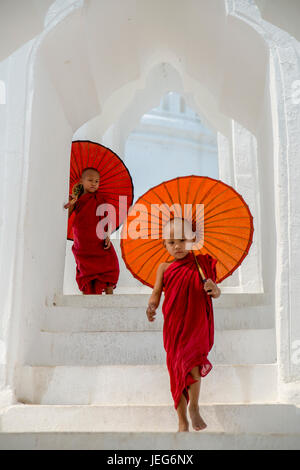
(115, 179)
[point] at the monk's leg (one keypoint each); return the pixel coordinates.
(88, 289)
(98, 289)
(194, 392)
(109, 290)
(183, 424)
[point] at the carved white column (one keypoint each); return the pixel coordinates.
(226, 174)
(246, 183)
(238, 168)
(285, 71)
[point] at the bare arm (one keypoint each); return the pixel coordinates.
(156, 293)
(107, 241)
(71, 208)
(71, 204)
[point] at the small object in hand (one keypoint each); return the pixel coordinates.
(77, 189)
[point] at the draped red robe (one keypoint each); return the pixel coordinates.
(94, 264)
(188, 331)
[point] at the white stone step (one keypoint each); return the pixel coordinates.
(145, 347)
(149, 441)
(140, 385)
(236, 300)
(125, 318)
(98, 301)
(255, 418)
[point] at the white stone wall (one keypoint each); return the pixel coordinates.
(13, 72)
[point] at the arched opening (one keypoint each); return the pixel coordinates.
(169, 140)
(74, 81)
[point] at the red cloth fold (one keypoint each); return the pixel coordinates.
(188, 331)
(96, 268)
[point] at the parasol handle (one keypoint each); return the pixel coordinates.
(200, 271)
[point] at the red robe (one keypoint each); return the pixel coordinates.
(188, 331)
(96, 268)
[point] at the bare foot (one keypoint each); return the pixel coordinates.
(197, 422)
(183, 425)
(109, 290)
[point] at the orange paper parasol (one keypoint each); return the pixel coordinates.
(226, 225)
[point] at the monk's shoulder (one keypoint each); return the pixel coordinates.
(163, 266)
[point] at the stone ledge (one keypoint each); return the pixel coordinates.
(136, 299)
(145, 347)
(148, 441)
(104, 318)
(238, 418)
(140, 385)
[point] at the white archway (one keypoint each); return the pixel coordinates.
(237, 163)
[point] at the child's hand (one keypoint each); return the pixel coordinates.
(72, 200)
(211, 288)
(107, 243)
(151, 311)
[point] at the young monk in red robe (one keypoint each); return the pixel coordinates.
(188, 331)
(97, 266)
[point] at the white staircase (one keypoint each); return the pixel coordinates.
(99, 380)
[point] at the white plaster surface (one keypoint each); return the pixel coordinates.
(252, 418)
(133, 318)
(20, 22)
(145, 347)
(141, 385)
(287, 18)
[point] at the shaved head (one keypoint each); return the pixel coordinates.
(178, 228)
(88, 171)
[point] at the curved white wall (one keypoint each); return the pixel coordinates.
(20, 22)
(284, 15)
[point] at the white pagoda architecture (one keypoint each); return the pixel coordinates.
(89, 371)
